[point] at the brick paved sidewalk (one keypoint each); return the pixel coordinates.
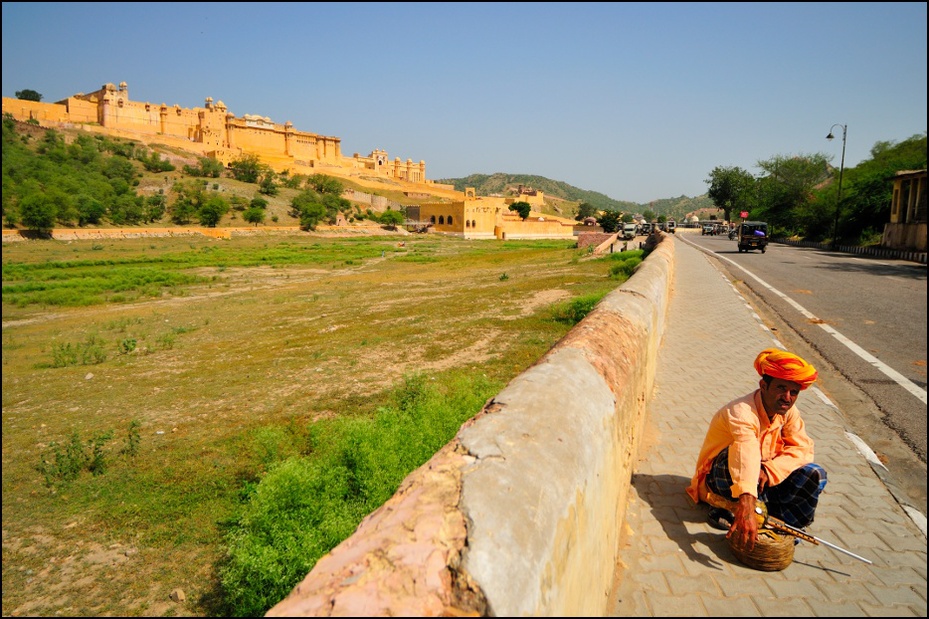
(674, 563)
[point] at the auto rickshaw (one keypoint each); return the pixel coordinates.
(753, 235)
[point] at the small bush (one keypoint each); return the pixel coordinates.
(133, 439)
(88, 353)
(574, 311)
(61, 465)
(97, 463)
(624, 269)
(305, 506)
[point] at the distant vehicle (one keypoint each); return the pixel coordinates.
(646, 229)
(707, 229)
(670, 226)
(629, 231)
(753, 235)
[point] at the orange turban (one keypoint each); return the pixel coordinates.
(785, 365)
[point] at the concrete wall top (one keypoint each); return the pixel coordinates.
(520, 513)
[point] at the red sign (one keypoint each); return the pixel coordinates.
(744, 214)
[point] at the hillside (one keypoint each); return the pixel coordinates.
(504, 184)
(561, 199)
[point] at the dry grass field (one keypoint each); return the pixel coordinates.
(191, 349)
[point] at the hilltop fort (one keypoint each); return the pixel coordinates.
(213, 131)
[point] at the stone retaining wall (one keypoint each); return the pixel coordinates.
(520, 514)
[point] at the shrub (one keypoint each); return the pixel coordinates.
(305, 506)
(574, 311)
(89, 353)
(62, 464)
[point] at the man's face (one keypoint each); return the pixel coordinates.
(779, 395)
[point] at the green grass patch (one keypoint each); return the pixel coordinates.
(287, 368)
(305, 505)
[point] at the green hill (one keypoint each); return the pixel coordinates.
(503, 184)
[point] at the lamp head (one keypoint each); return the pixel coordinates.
(830, 136)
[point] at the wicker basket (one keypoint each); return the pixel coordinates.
(772, 552)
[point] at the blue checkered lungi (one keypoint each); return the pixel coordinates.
(793, 500)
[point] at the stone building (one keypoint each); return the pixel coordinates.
(487, 217)
(213, 131)
(907, 227)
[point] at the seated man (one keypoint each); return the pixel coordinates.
(757, 448)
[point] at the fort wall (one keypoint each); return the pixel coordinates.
(213, 131)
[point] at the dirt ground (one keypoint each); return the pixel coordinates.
(251, 349)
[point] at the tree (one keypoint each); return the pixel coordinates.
(267, 185)
(325, 184)
(254, 215)
(731, 188)
(309, 207)
(391, 218)
(28, 95)
(38, 212)
(648, 216)
(523, 208)
(89, 210)
(246, 168)
(311, 214)
(182, 211)
(155, 207)
(212, 211)
(206, 167)
(585, 210)
(785, 193)
(868, 189)
(609, 221)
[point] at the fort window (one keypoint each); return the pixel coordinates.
(432, 219)
(449, 220)
(441, 219)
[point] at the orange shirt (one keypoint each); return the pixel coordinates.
(781, 446)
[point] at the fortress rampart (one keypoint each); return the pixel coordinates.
(213, 131)
(520, 514)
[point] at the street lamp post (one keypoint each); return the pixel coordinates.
(838, 202)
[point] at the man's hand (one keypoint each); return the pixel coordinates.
(745, 525)
(762, 480)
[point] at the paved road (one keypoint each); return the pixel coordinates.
(675, 564)
(815, 297)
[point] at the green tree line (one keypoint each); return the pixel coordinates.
(799, 195)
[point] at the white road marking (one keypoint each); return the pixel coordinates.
(888, 371)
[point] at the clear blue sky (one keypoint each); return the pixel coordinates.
(636, 101)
